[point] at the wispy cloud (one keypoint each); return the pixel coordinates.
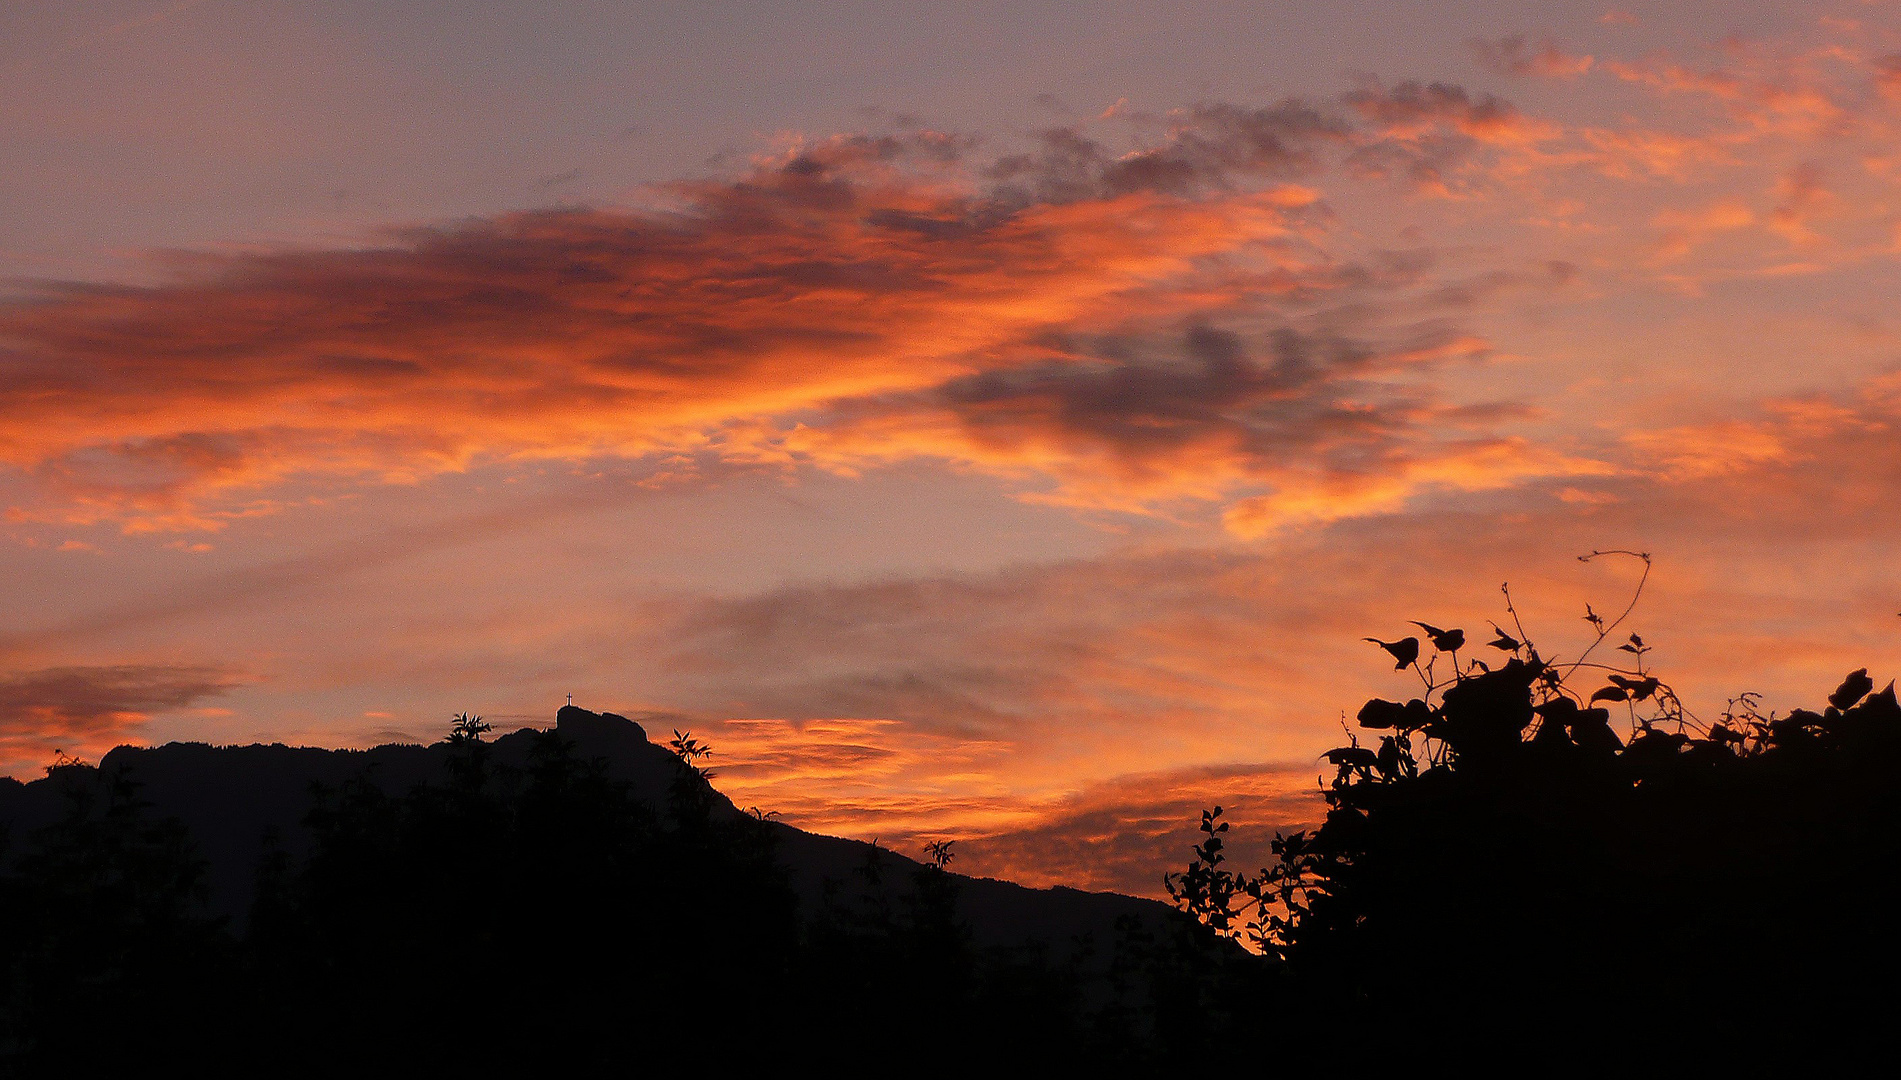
(1097, 321)
(1022, 710)
(1514, 54)
(1140, 312)
(84, 711)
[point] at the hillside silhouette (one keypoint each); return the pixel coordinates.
(579, 897)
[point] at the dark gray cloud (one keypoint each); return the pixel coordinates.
(1413, 105)
(1410, 129)
(77, 708)
(1210, 146)
(1426, 134)
(1515, 54)
(1215, 393)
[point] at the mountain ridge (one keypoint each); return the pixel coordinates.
(231, 798)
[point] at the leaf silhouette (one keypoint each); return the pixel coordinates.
(1504, 641)
(1443, 640)
(1639, 689)
(1610, 693)
(1405, 651)
(1352, 756)
(1852, 689)
(1380, 713)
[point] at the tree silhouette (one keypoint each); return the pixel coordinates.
(1503, 863)
(103, 940)
(512, 904)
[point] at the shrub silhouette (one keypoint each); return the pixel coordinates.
(1504, 871)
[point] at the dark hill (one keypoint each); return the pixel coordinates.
(230, 798)
(577, 899)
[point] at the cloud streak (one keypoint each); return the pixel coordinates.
(1022, 711)
(87, 710)
(1186, 318)
(1514, 54)
(561, 335)
(1112, 324)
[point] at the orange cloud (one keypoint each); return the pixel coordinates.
(867, 777)
(1187, 322)
(563, 334)
(1634, 152)
(1795, 430)
(846, 303)
(1683, 230)
(1021, 711)
(1317, 422)
(1887, 71)
(85, 711)
(883, 780)
(1435, 136)
(1123, 833)
(1456, 466)
(1800, 194)
(1770, 95)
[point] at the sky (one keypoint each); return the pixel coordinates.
(985, 421)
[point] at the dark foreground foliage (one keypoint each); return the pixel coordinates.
(1502, 874)
(514, 920)
(1538, 865)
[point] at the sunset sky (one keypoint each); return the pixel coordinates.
(995, 421)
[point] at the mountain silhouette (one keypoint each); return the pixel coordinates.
(582, 880)
(229, 798)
